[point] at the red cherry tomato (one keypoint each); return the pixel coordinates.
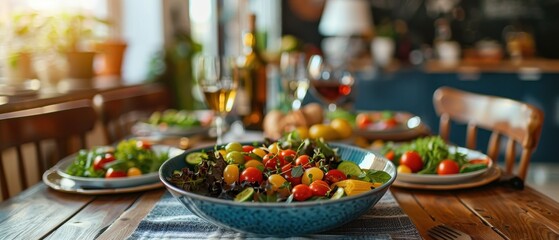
(101, 160)
(288, 155)
(303, 160)
(301, 192)
(143, 145)
(319, 188)
(251, 174)
(389, 155)
(390, 123)
(363, 120)
(112, 173)
(448, 166)
(334, 176)
(273, 161)
(247, 148)
(286, 172)
(413, 160)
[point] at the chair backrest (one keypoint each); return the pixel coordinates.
(120, 109)
(64, 124)
(520, 122)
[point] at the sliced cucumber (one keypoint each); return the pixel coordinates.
(245, 195)
(350, 169)
(195, 158)
(338, 194)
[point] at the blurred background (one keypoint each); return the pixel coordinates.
(400, 51)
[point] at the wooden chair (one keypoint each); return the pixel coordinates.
(120, 109)
(65, 124)
(520, 122)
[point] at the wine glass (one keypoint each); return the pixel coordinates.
(218, 78)
(330, 84)
(294, 77)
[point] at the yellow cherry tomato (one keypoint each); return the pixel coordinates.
(342, 126)
(274, 148)
(231, 174)
(312, 174)
(403, 169)
(324, 131)
(259, 151)
(303, 132)
(222, 152)
(253, 163)
(133, 171)
(276, 180)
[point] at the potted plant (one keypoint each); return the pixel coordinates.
(72, 34)
(18, 43)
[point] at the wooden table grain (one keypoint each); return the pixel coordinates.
(489, 212)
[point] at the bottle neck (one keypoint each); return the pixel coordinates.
(249, 43)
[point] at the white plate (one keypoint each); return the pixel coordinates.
(204, 116)
(448, 179)
(409, 127)
(143, 129)
(100, 183)
(56, 182)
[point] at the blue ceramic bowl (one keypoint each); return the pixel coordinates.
(283, 219)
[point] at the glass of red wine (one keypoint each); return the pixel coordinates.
(329, 84)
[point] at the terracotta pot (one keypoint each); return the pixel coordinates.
(18, 68)
(80, 65)
(111, 55)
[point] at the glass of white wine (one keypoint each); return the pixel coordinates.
(218, 78)
(295, 82)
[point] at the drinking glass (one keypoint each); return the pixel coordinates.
(218, 78)
(329, 84)
(294, 77)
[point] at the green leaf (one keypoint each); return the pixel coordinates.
(297, 171)
(378, 176)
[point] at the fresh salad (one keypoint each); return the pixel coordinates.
(431, 155)
(130, 158)
(290, 169)
(174, 118)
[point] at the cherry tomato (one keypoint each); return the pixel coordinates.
(334, 176)
(389, 155)
(363, 120)
(251, 174)
(100, 161)
(286, 172)
(312, 174)
(301, 192)
(390, 123)
(277, 182)
(259, 152)
(288, 155)
(319, 188)
(303, 160)
(403, 169)
(143, 145)
(448, 166)
(413, 160)
(254, 163)
(133, 171)
(112, 173)
(273, 161)
(231, 174)
(248, 148)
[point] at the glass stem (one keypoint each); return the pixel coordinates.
(219, 128)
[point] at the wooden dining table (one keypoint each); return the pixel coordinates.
(492, 211)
